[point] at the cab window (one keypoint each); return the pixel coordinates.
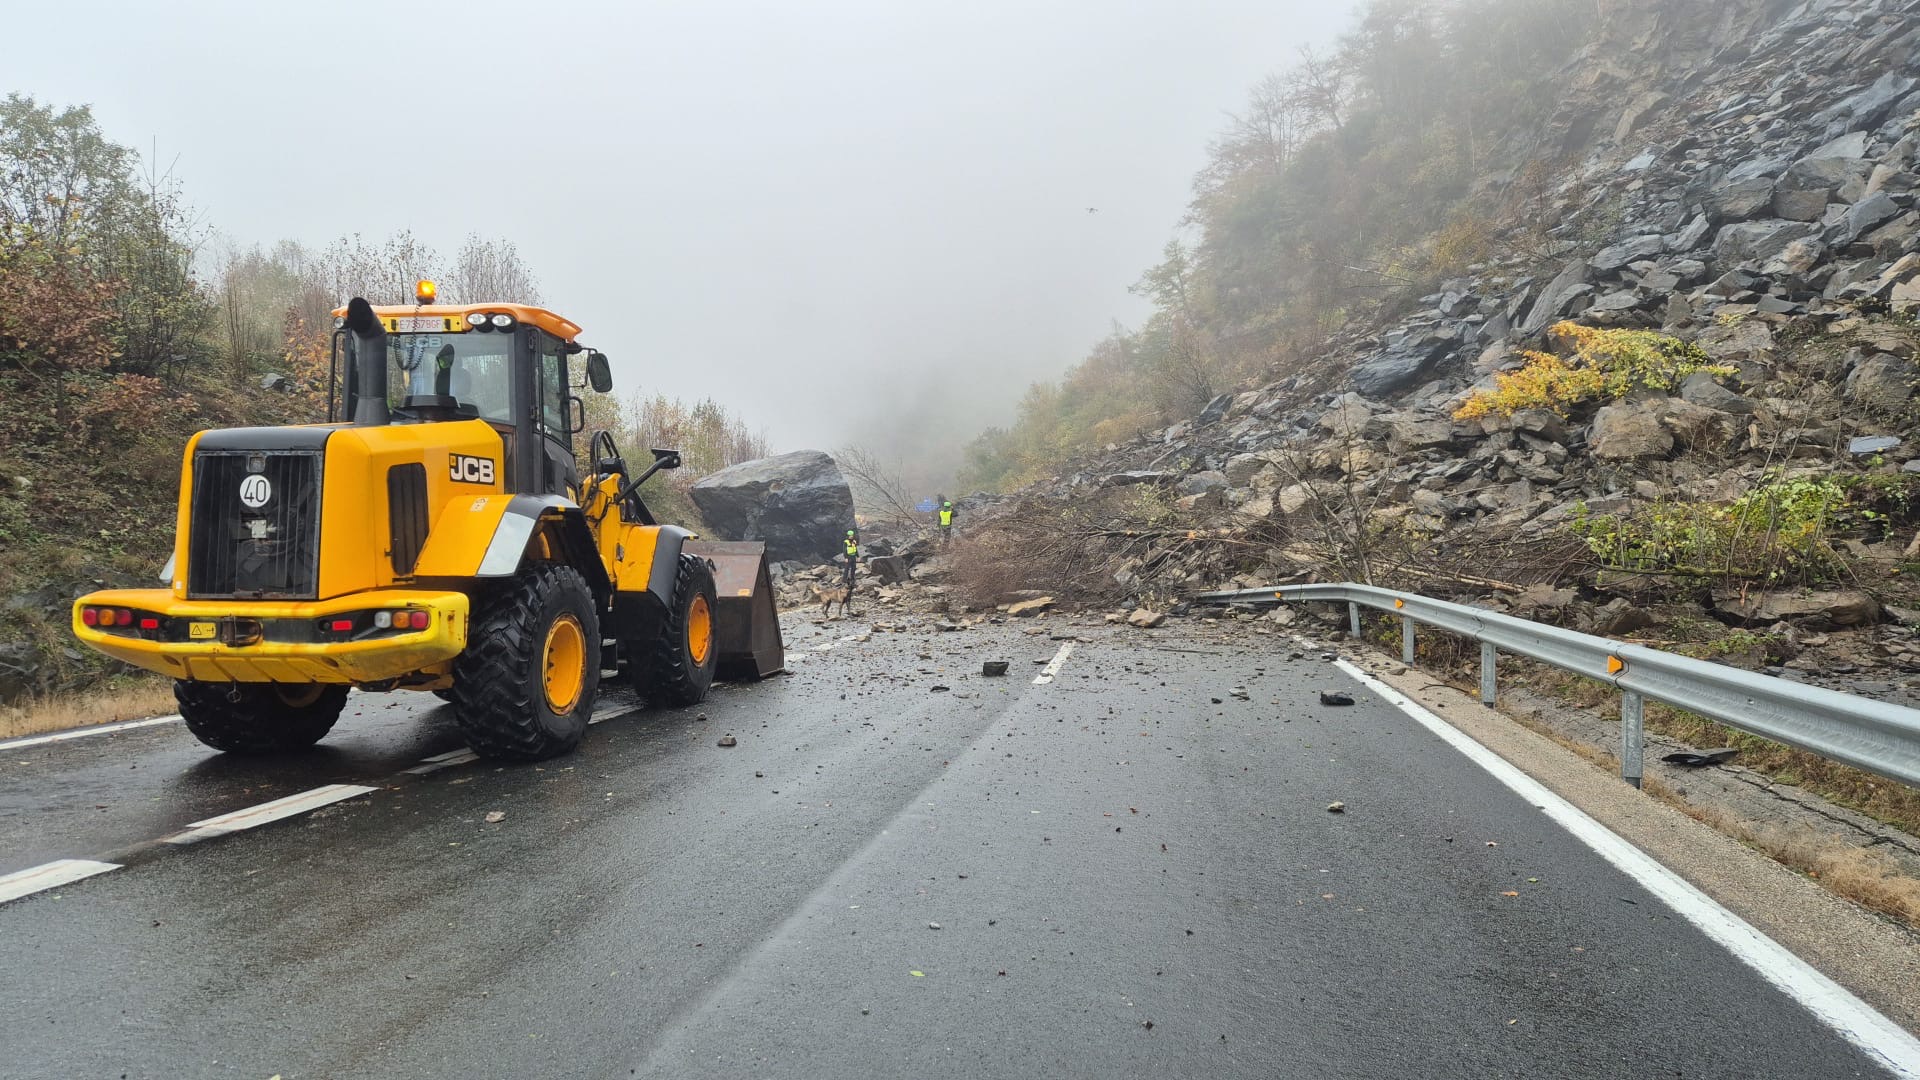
(553, 388)
(474, 369)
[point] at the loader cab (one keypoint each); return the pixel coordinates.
(509, 365)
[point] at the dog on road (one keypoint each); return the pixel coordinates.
(838, 594)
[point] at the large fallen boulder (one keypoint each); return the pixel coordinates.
(797, 503)
(1839, 607)
(890, 569)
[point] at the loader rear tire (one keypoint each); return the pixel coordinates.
(676, 667)
(523, 690)
(259, 718)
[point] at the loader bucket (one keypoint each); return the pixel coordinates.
(745, 623)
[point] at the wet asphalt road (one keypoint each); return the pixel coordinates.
(1128, 877)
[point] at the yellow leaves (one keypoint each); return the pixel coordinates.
(1546, 382)
(1606, 365)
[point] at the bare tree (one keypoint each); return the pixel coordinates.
(490, 271)
(384, 274)
(1319, 85)
(879, 492)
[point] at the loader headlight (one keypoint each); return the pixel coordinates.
(477, 320)
(502, 321)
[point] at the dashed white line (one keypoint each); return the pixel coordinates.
(1053, 666)
(81, 733)
(50, 876)
(836, 644)
(442, 761)
(607, 713)
(1829, 1002)
(255, 816)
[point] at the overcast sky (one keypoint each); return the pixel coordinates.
(821, 214)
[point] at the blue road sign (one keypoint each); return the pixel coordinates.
(925, 506)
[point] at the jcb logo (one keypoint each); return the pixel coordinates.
(470, 470)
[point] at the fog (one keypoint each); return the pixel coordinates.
(849, 222)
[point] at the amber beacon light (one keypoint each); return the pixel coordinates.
(424, 291)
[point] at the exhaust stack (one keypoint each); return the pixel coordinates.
(367, 342)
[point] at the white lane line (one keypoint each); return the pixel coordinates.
(1053, 666)
(836, 644)
(52, 875)
(442, 761)
(465, 756)
(81, 733)
(1829, 1002)
(255, 816)
(607, 713)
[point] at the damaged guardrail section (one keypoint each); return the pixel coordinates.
(1874, 735)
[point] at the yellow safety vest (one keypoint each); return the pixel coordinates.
(946, 515)
(853, 548)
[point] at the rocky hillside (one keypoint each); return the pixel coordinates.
(1745, 205)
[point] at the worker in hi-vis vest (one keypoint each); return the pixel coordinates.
(853, 556)
(946, 520)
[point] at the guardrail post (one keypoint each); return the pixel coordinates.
(1488, 660)
(1406, 639)
(1632, 738)
(1353, 617)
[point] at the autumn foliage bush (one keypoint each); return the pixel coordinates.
(1605, 365)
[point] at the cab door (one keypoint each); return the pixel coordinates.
(558, 474)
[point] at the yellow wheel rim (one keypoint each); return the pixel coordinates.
(299, 696)
(699, 630)
(564, 668)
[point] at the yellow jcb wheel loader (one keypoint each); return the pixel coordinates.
(439, 536)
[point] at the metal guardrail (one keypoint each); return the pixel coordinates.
(1873, 735)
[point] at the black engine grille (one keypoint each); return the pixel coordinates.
(254, 540)
(406, 515)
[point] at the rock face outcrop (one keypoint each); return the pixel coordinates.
(797, 503)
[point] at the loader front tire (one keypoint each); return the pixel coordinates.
(523, 690)
(259, 718)
(676, 667)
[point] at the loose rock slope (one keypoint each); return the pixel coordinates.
(1740, 177)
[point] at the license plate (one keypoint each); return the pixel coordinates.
(425, 324)
(202, 631)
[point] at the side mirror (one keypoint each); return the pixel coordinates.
(599, 375)
(666, 459)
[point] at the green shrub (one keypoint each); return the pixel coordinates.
(1784, 530)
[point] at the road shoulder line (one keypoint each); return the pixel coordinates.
(82, 732)
(1829, 1002)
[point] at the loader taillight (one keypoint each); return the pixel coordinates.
(341, 626)
(108, 618)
